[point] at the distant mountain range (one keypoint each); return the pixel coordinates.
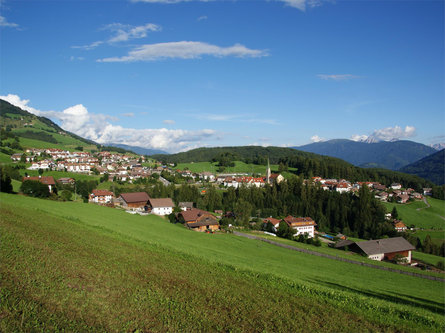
(138, 150)
(383, 154)
(431, 167)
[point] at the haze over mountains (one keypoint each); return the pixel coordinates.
(384, 154)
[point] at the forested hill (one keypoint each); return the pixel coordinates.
(307, 164)
(431, 167)
(21, 129)
(389, 155)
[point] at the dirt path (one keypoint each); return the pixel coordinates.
(427, 205)
(293, 248)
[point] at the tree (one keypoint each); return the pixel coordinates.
(427, 244)
(40, 171)
(23, 158)
(5, 183)
(242, 211)
(394, 213)
(284, 230)
(35, 189)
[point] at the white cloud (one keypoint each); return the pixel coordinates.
(337, 77)
(359, 138)
(97, 127)
(4, 23)
(299, 4)
(184, 50)
(316, 138)
(240, 118)
(128, 114)
(73, 58)
(202, 18)
(169, 121)
(122, 33)
(387, 134)
(394, 133)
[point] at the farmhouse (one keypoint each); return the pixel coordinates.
(66, 181)
(185, 205)
(275, 222)
(135, 201)
(47, 180)
(198, 220)
(101, 197)
(303, 225)
(399, 226)
(387, 248)
(163, 206)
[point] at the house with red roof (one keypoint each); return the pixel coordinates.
(47, 180)
(302, 225)
(101, 197)
(198, 220)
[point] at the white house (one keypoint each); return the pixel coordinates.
(302, 225)
(101, 197)
(163, 206)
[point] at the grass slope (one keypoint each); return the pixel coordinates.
(418, 214)
(240, 167)
(84, 267)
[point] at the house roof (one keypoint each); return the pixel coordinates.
(299, 221)
(386, 245)
(47, 180)
(186, 204)
(135, 197)
(399, 224)
(202, 223)
(193, 214)
(162, 202)
(99, 193)
(272, 220)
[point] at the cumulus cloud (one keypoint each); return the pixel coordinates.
(337, 77)
(122, 33)
(359, 138)
(316, 138)
(299, 4)
(387, 134)
(240, 118)
(4, 23)
(97, 127)
(184, 50)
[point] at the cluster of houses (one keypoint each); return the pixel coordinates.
(381, 192)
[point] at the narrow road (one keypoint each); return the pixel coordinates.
(426, 203)
(383, 268)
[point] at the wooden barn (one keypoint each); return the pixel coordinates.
(385, 249)
(136, 200)
(198, 220)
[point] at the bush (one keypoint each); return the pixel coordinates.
(35, 189)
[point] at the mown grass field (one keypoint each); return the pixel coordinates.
(425, 218)
(60, 174)
(4, 158)
(240, 167)
(81, 267)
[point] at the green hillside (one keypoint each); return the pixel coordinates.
(387, 154)
(38, 132)
(431, 167)
(78, 267)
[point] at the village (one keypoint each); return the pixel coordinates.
(124, 168)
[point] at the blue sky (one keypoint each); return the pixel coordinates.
(175, 75)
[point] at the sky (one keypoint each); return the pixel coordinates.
(180, 74)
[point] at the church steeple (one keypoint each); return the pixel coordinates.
(268, 173)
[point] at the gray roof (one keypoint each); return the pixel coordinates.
(386, 245)
(186, 204)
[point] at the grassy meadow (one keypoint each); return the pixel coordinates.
(240, 167)
(80, 267)
(419, 215)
